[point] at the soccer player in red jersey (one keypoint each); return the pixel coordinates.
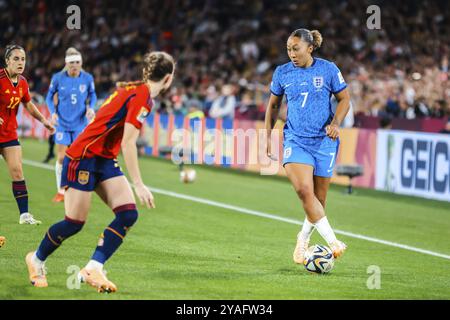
(14, 90)
(91, 165)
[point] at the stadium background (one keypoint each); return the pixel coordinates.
(226, 52)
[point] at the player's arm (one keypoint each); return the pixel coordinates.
(343, 99)
(33, 110)
(272, 113)
(92, 96)
(50, 99)
(130, 155)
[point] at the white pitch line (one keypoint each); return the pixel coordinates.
(267, 215)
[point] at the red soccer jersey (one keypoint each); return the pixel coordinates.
(103, 136)
(10, 98)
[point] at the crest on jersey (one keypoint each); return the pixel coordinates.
(142, 115)
(318, 82)
(83, 177)
(287, 152)
(82, 88)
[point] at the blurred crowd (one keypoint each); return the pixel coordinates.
(226, 51)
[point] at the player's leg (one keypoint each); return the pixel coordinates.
(117, 194)
(51, 147)
(301, 177)
(325, 161)
(62, 141)
(12, 153)
(321, 186)
(80, 183)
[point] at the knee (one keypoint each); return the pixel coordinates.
(72, 226)
(128, 218)
(304, 191)
(16, 173)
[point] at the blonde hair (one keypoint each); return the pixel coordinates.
(317, 39)
(157, 65)
(71, 52)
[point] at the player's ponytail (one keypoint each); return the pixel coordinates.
(313, 37)
(317, 39)
(123, 84)
(157, 65)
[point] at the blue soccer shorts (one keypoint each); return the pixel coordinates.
(321, 155)
(11, 143)
(66, 137)
(86, 174)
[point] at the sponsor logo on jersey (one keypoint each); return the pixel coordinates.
(82, 88)
(318, 82)
(83, 177)
(7, 91)
(142, 115)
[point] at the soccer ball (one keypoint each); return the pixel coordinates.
(187, 175)
(319, 259)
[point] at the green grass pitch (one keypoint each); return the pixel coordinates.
(189, 250)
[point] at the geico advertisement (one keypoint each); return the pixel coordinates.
(413, 163)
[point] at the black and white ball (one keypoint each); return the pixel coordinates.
(188, 175)
(319, 259)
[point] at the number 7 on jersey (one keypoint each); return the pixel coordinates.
(305, 95)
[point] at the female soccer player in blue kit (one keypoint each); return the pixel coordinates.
(311, 132)
(73, 87)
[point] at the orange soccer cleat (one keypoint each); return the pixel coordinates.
(59, 197)
(2, 241)
(97, 279)
(36, 272)
(299, 251)
(338, 248)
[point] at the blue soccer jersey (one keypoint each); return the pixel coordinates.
(72, 96)
(308, 92)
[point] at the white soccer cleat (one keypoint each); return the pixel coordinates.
(27, 218)
(299, 251)
(338, 248)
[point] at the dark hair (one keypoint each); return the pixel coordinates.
(157, 65)
(10, 48)
(313, 37)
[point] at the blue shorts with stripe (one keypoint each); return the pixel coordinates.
(86, 174)
(320, 153)
(67, 137)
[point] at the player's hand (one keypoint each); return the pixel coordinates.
(49, 126)
(54, 120)
(90, 114)
(1, 121)
(145, 196)
(269, 149)
(332, 131)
